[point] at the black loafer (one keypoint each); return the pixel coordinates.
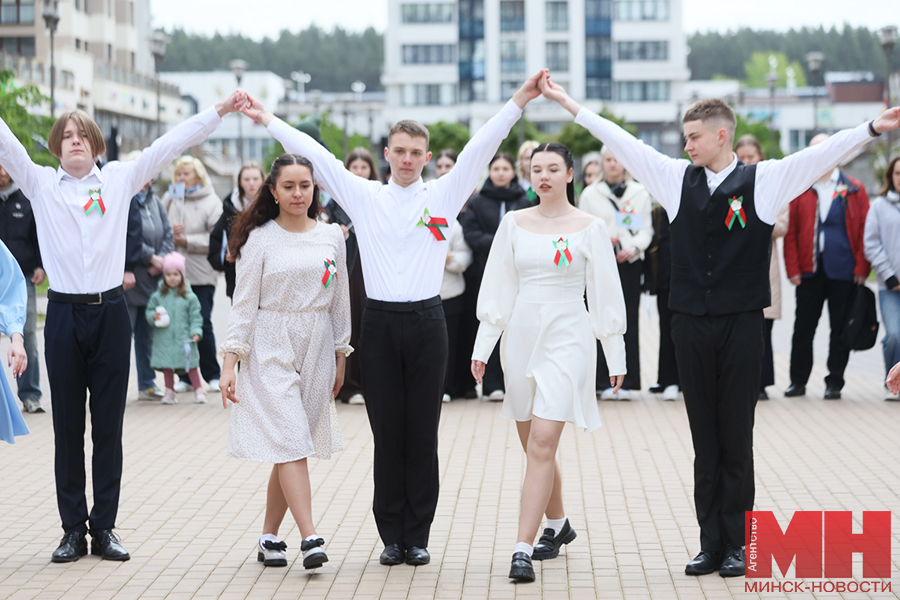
(105, 544)
(393, 554)
(417, 556)
(548, 546)
(732, 562)
(703, 564)
(795, 390)
(832, 392)
(521, 568)
(72, 547)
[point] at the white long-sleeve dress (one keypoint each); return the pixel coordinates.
(548, 352)
(285, 326)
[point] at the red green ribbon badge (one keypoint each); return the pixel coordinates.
(96, 201)
(563, 256)
(736, 213)
(434, 225)
(627, 214)
(330, 272)
(840, 192)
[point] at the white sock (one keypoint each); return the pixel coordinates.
(523, 547)
(267, 537)
(556, 525)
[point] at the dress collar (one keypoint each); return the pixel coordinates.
(95, 171)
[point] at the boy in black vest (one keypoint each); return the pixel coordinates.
(721, 214)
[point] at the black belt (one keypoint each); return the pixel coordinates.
(96, 298)
(403, 306)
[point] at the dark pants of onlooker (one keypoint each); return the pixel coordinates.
(143, 346)
(209, 364)
(630, 275)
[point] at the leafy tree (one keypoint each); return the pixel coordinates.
(331, 134)
(761, 132)
(757, 70)
(579, 140)
(447, 135)
(511, 144)
(31, 130)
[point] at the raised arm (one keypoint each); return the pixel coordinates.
(330, 174)
(660, 174)
(19, 165)
(457, 185)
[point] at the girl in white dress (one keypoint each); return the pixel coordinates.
(290, 328)
(542, 260)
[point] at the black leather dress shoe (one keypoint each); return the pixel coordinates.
(548, 546)
(521, 568)
(393, 554)
(72, 547)
(417, 556)
(105, 544)
(732, 562)
(703, 564)
(832, 392)
(795, 390)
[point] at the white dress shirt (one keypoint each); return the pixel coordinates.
(82, 251)
(777, 181)
(402, 262)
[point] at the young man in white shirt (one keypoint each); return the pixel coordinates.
(721, 214)
(81, 212)
(402, 229)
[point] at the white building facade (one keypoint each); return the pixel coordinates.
(460, 60)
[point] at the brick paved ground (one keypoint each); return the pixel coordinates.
(191, 516)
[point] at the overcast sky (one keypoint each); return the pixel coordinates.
(261, 18)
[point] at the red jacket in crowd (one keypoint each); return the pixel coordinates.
(799, 247)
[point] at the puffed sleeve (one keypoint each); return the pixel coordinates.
(13, 294)
(499, 290)
(340, 304)
(247, 284)
(606, 304)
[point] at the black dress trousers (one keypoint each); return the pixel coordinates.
(630, 276)
(719, 365)
(403, 356)
(88, 350)
(668, 365)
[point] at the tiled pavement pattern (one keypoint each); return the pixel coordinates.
(191, 516)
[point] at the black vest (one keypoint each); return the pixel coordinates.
(716, 270)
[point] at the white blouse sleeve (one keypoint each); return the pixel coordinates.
(340, 304)
(247, 286)
(606, 304)
(499, 289)
(13, 294)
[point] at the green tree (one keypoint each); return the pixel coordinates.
(333, 137)
(447, 135)
(579, 140)
(761, 132)
(757, 70)
(31, 130)
(511, 144)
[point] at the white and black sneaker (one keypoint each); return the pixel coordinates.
(271, 554)
(313, 554)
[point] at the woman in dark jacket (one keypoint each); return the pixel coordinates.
(501, 194)
(250, 181)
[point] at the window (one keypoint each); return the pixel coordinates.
(508, 88)
(16, 11)
(472, 91)
(651, 138)
(598, 9)
(643, 91)
(427, 13)
(642, 10)
(131, 13)
(512, 15)
(512, 57)
(109, 52)
(643, 50)
(77, 44)
(429, 94)
(558, 56)
(471, 19)
(86, 46)
(132, 61)
(471, 59)
(597, 88)
(424, 54)
(21, 46)
(557, 16)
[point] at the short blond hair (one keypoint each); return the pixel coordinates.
(410, 128)
(196, 165)
(83, 121)
(712, 110)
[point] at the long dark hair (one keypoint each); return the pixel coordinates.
(558, 148)
(264, 208)
(889, 177)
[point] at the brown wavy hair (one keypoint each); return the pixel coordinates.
(264, 208)
(889, 177)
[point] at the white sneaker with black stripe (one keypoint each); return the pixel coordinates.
(271, 554)
(313, 552)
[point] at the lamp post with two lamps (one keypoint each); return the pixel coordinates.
(888, 37)
(814, 64)
(302, 79)
(238, 67)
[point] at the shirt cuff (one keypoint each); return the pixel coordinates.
(233, 347)
(614, 351)
(15, 328)
(891, 282)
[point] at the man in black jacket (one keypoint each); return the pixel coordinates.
(18, 232)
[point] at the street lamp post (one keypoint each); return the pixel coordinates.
(51, 19)
(158, 43)
(888, 37)
(772, 80)
(814, 64)
(302, 79)
(238, 67)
